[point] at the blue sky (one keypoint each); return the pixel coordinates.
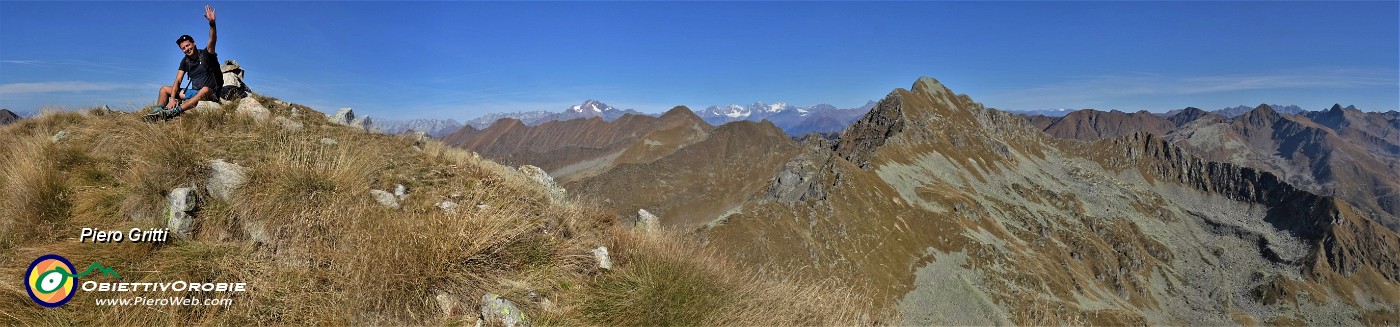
(463, 59)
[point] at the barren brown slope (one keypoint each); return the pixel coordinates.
(1089, 124)
(699, 182)
(577, 148)
(1191, 115)
(948, 213)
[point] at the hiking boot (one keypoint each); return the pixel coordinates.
(156, 113)
(173, 112)
(162, 114)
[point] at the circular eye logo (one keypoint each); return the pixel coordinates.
(50, 280)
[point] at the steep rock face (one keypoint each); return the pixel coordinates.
(1328, 224)
(948, 213)
(860, 140)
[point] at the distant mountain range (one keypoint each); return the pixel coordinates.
(589, 108)
(795, 121)
(1230, 112)
(433, 127)
(1043, 112)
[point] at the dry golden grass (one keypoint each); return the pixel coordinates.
(315, 248)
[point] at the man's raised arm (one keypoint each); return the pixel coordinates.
(209, 14)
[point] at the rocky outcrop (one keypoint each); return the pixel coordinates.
(797, 181)
(345, 116)
(859, 142)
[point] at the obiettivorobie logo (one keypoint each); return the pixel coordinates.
(51, 279)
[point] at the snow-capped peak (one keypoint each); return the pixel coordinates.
(592, 106)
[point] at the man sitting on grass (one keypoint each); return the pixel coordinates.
(202, 65)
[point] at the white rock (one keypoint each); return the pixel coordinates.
(604, 261)
(58, 137)
(207, 106)
(252, 108)
(328, 141)
(400, 191)
(385, 198)
(225, 178)
(448, 206)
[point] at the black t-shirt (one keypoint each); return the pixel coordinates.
(203, 70)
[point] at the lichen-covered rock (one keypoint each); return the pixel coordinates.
(556, 193)
(647, 222)
(497, 310)
(225, 177)
(179, 213)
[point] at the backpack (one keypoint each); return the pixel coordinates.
(231, 81)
